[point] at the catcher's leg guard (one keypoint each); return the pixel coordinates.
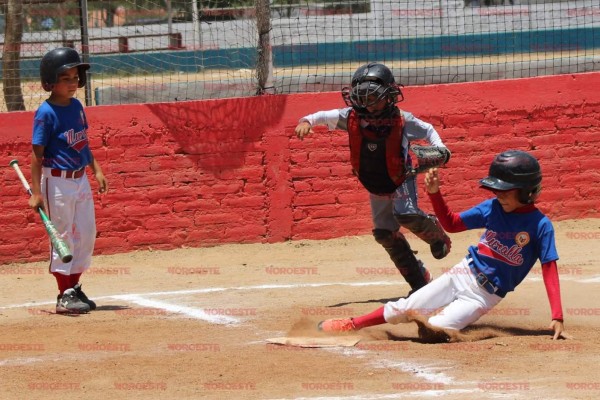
(403, 257)
(428, 229)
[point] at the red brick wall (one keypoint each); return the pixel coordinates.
(221, 171)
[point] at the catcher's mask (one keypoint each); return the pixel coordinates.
(515, 169)
(372, 83)
(57, 61)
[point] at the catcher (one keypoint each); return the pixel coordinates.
(380, 135)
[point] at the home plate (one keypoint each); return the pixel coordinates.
(305, 341)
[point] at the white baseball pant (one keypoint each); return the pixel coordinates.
(457, 291)
(70, 206)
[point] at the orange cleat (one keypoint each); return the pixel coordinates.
(337, 325)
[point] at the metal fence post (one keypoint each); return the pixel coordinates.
(85, 48)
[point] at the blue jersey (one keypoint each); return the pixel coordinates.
(511, 243)
(62, 130)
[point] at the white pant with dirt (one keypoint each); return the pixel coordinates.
(462, 300)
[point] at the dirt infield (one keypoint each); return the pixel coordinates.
(193, 323)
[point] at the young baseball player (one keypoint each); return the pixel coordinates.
(379, 135)
(516, 235)
(61, 153)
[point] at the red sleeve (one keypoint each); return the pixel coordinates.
(550, 275)
(450, 221)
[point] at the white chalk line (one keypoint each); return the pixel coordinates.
(219, 289)
(195, 313)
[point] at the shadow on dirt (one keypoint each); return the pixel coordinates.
(380, 301)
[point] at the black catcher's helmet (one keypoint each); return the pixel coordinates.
(515, 169)
(372, 79)
(58, 61)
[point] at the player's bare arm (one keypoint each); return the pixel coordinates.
(36, 200)
(302, 129)
(99, 175)
(432, 181)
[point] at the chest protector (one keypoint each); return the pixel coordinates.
(380, 170)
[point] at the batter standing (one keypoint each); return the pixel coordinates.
(516, 235)
(61, 153)
(379, 135)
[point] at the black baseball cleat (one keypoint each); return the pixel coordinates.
(69, 303)
(83, 297)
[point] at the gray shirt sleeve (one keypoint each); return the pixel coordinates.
(334, 119)
(416, 129)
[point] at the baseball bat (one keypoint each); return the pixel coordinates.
(61, 247)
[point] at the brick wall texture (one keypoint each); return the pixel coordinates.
(204, 173)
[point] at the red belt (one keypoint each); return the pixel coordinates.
(67, 174)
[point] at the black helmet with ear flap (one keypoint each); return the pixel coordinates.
(57, 61)
(515, 169)
(371, 83)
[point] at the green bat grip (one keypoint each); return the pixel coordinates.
(61, 247)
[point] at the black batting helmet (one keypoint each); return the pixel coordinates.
(57, 61)
(372, 80)
(515, 169)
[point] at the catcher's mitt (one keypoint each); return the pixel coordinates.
(429, 157)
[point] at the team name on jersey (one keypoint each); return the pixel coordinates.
(492, 247)
(76, 140)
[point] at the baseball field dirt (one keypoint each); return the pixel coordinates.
(195, 324)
